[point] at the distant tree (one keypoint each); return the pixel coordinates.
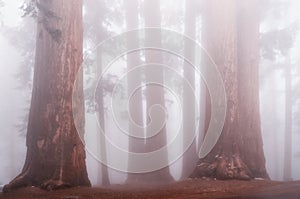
(277, 44)
(25, 45)
(94, 18)
(55, 153)
(231, 36)
(287, 167)
(296, 100)
(135, 102)
(188, 109)
(155, 95)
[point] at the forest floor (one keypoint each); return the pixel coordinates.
(188, 189)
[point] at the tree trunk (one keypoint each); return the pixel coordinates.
(55, 153)
(188, 108)
(103, 174)
(136, 145)
(248, 87)
(154, 94)
(238, 153)
(287, 166)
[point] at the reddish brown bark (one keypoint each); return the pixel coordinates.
(248, 87)
(233, 45)
(55, 153)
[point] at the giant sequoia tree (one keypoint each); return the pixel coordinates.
(248, 87)
(231, 37)
(55, 154)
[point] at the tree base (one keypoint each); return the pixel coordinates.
(223, 168)
(21, 180)
(55, 185)
(24, 180)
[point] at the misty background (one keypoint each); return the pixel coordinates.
(280, 47)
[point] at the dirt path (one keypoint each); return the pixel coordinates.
(188, 189)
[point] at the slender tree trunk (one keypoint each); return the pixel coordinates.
(275, 161)
(96, 11)
(155, 94)
(135, 101)
(55, 153)
(276, 132)
(189, 75)
(103, 175)
(238, 153)
(287, 167)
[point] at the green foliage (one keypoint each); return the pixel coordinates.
(98, 20)
(296, 98)
(29, 9)
(280, 35)
(278, 42)
(22, 38)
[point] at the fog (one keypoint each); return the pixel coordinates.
(280, 46)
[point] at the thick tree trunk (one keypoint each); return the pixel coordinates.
(55, 153)
(238, 153)
(219, 39)
(248, 87)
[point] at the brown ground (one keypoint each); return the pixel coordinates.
(188, 189)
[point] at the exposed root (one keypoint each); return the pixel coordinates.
(21, 180)
(223, 168)
(54, 185)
